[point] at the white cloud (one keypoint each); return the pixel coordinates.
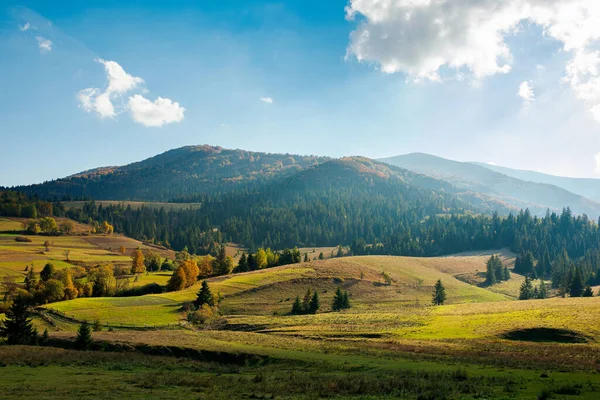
(25, 27)
(44, 44)
(161, 111)
(266, 100)
(421, 37)
(597, 160)
(154, 114)
(119, 81)
(526, 92)
(491, 163)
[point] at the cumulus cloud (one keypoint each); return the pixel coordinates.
(267, 100)
(119, 81)
(421, 37)
(154, 114)
(44, 44)
(25, 27)
(526, 92)
(151, 114)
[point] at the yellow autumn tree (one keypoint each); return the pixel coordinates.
(205, 266)
(177, 280)
(191, 270)
(137, 262)
(70, 291)
(261, 258)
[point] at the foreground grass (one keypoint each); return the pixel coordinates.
(57, 373)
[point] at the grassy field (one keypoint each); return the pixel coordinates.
(272, 291)
(83, 249)
(481, 344)
(53, 373)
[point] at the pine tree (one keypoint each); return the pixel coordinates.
(439, 294)
(243, 263)
(321, 256)
(31, 280)
(542, 293)
(47, 273)
(17, 327)
(576, 287)
(490, 275)
(338, 300)
(84, 336)
(252, 265)
(505, 274)
(588, 292)
(314, 303)
(306, 301)
(297, 307)
(204, 296)
(345, 301)
(526, 290)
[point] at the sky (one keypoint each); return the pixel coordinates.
(94, 83)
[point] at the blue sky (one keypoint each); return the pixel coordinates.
(289, 76)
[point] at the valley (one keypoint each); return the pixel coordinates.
(383, 236)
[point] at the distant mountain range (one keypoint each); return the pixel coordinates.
(193, 172)
(538, 192)
(586, 187)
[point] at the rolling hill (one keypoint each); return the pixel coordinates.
(586, 187)
(538, 197)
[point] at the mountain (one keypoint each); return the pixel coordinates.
(538, 197)
(586, 187)
(179, 173)
(332, 202)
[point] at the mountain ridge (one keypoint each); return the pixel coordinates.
(538, 197)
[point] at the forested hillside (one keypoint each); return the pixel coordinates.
(180, 173)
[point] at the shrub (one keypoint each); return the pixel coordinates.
(150, 288)
(23, 239)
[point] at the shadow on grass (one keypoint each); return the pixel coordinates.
(545, 335)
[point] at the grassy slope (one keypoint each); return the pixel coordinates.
(83, 249)
(270, 291)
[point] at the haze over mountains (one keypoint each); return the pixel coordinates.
(498, 183)
(191, 172)
(587, 187)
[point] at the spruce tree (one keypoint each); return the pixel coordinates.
(338, 300)
(526, 290)
(345, 301)
(490, 275)
(576, 287)
(542, 293)
(204, 296)
(31, 280)
(17, 327)
(505, 274)
(314, 303)
(439, 293)
(84, 336)
(306, 301)
(297, 307)
(47, 272)
(243, 263)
